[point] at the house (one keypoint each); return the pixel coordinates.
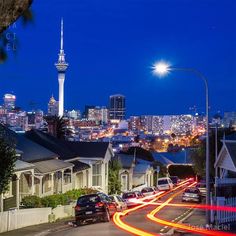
(225, 179)
(134, 172)
(90, 159)
(225, 166)
(38, 171)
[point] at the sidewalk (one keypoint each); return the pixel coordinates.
(40, 230)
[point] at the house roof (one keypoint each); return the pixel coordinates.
(231, 147)
(141, 168)
(31, 150)
(126, 160)
(79, 166)
(68, 149)
(50, 166)
(22, 165)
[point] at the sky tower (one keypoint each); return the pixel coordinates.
(61, 66)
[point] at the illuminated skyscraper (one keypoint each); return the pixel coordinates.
(117, 107)
(9, 101)
(61, 66)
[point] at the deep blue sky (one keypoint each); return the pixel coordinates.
(111, 45)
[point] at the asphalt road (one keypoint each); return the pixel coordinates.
(137, 219)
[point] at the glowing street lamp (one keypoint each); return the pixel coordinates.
(161, 69)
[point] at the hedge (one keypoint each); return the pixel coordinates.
(55, 199)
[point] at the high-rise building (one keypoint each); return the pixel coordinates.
(61, 66)
(98, 114)
(117, 107)
(52, 107)
(9, 101)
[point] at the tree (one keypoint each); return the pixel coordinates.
(114, 184)
(10, 11)
(198, 154)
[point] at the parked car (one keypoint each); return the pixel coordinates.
(202, 187)
(164, 183)
(175, 180)
(120, 203)
(92, 207)
(131, 198)
(192, 195)
(149, 191)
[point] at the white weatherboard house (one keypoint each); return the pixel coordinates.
(47, 165)
(134, 172)
(225, 181)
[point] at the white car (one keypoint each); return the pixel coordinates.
(120, 203)
(164, 183)
(132, 198)
(149, 191)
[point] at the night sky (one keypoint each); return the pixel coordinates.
(110, 46)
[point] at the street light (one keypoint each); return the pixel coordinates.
(161, 69)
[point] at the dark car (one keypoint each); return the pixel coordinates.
(175, 180)
(94, 207)
(192, 195)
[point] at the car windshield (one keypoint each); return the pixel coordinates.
(162, 181)
(146, 190)
(88, 199)
(129, 195)
(189, 190)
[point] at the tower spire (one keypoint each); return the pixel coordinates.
(61, 66)
(62, 34)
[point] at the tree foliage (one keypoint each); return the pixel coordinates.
(10, 11)
(7, 164)
(114, 183)
(198, 154)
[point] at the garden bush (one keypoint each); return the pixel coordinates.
(55, 199)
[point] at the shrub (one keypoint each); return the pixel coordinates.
(55, 199)
(31, 202)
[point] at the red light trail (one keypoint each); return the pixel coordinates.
(152, 215)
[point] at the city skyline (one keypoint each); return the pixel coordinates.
(131, 77)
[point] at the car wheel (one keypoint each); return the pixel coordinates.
(78, 223)
(107, 216)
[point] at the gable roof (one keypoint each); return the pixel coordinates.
(231, 147)
(126, 160)
(22, 165)
(68, 149)
(32, 151)
(79, 166)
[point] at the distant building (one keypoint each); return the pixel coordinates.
(86, 109)
(117, 107)
(52, 107)
(9, 101)
(98, 114)
(168, 124)
(135, 123)
(229, 119)
(74, 114)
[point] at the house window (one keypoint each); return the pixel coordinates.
(8, 194)
(97, 174)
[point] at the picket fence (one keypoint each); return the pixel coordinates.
(226, 216)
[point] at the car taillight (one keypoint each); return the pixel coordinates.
(77, 208)
(99, 204)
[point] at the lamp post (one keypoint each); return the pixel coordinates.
(162, 69)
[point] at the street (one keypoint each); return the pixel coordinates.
(137, 219)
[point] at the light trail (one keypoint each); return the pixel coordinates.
(131, 229)
(192, 229)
